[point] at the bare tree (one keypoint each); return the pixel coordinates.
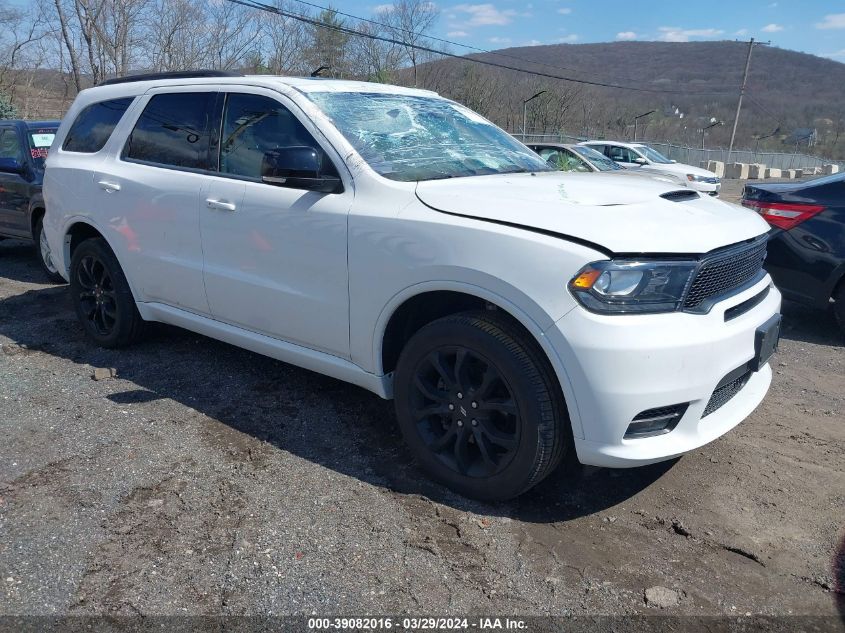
(284, 41)
(175, 35)
(410, 22)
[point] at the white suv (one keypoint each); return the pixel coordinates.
(637, 156)
(397, 240)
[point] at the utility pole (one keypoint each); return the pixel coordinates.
(525, 113)
(638, 117)
(741, 93)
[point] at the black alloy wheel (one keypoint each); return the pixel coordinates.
(101, 296)
(465, 412)
(480, 406)
(96, 295)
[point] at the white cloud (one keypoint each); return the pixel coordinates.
(772, 28)
(532, 43)
(569, 39)
(382, 8)
(835, 55)
(678, 34)
(626, 35)
(741, 32)
(485, 14)
(500, 40)
(564, 10)
(457, 34)
(832, 21)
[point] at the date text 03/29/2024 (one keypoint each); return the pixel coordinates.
(416, 623)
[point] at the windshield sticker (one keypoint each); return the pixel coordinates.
(42, 139)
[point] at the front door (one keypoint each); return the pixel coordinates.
(275, 257)
(14, 188)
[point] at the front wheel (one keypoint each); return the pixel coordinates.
(101, 296)
(480, 406)
(42, 250)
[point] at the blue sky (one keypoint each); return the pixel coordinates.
(810, 26)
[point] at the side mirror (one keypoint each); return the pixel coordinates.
(639, 160)
(11, 166)
(298, 167)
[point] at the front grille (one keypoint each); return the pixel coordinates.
(724, 393)
(724, 272)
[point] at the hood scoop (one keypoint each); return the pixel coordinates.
(680, 195)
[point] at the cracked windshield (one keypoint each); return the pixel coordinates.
(412, 138)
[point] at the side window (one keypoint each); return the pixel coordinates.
(547, 152)
(10, 145)
(620, 154)
(254, 125)
(174, 130)
(94, 126)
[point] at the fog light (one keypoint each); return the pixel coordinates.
(657, 421)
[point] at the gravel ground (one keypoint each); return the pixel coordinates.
(204, 479)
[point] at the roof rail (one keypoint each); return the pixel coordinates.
(178, 74)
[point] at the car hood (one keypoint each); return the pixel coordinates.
(678, 168)
(621, 215)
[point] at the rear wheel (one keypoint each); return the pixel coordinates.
(101, 296)
(42, 250)
(480, 407)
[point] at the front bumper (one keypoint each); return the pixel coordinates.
(622, 365)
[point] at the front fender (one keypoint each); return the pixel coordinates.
(527, 312)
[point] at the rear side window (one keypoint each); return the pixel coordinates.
(174, 130)
(10, 145)
(94, 126)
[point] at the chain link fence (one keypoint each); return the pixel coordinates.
(696, 155)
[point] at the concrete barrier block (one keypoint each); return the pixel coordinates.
(717, 167)
(737, 170)
(789, 173)
(831, 169)
(756, 171)
(799, 173)
(772, 172)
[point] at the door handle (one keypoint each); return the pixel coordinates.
(110, 187)
(220, 204)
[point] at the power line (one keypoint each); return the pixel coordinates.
(254, 4)
(439, 39)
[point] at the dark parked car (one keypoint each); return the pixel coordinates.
(23, 149)
(806, 252)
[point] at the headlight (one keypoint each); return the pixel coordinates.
(621, 286)
(694, 178)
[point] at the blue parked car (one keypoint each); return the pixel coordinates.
(23, 149)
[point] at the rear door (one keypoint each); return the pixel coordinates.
(14, 188)
(275, 257)
(149, 190)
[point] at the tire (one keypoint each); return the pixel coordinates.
(480, 407)
(101, 296)
(42, 251)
